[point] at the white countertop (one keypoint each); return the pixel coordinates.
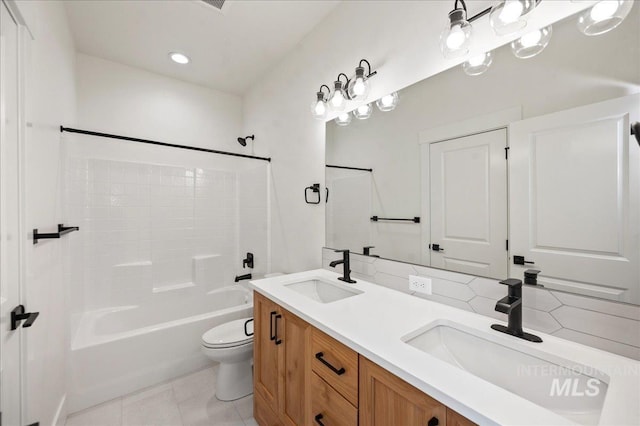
(374, 322)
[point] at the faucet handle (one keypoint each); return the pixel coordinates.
(342, 251)
(512, 283)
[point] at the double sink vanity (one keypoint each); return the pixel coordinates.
(331, 353)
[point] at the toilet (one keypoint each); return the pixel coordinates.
(232, 347)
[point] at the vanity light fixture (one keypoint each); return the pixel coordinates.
(388, 102)
(358, 87)
(179, 58)
(478, 64)
(604, 16)
(456, 36)
(319, 107)
(338, 99)
(506, 16)
(343, 119)
(363, 112)
(531, 43)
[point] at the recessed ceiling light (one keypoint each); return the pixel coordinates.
(179, 58)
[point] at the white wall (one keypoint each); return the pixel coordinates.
(50, 91)
(394, 37)
(574, 70)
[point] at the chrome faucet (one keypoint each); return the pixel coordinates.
(346, 277)
(512, 306)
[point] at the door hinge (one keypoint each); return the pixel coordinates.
(507, 245)
(506, 152)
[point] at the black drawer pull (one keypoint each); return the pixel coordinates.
(433, 421)
(340, 372)
(271, 335)
(278, 341)
(318, 419)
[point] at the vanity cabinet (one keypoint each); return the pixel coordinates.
(304, 377)
(280, 344)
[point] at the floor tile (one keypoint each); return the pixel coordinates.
(251, 422)
(201, 382)
(207, 410)
(106, 414)
(155, 407)
(245, 407)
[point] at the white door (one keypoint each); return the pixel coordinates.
(574, 189)
(469, 204)
(10, 357)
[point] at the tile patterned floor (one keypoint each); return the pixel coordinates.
(185, 401)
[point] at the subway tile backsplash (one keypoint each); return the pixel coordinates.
(605, 325)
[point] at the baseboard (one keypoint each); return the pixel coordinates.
(61, 413)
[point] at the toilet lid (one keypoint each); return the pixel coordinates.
(228, 334)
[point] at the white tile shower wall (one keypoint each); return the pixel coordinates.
(253, 215)
(606, 325)
(147, 228)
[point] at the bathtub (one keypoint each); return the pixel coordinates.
(119, 350)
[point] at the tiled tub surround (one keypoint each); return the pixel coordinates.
(154, 265)
(610, 326)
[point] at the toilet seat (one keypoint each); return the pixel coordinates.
(228, 335)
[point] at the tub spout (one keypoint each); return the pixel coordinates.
(243, 277)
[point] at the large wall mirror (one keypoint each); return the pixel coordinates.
(530, 165)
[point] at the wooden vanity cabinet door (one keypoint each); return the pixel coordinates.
(388, 400)
(293, 368)
(455, 419)
(266, 352)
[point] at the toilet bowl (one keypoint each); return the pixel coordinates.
(231, 344)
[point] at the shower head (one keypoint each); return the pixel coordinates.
(243, 141)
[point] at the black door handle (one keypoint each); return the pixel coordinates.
(271, 335)
(278, 341)
(318, 419)
(339, 372)
(520, 260)
(326, 200)
(433, 421)
(18, 314)
(436, 247)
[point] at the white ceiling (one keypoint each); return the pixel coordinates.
(229, 49)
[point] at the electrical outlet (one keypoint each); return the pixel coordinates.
(420, 284)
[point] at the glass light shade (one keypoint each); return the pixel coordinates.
(343, 119)
(478, 64)
(359, 86)
(363, 112)
(319, 107)
(456, 36)
(507, 16)
(604, 16)
(338, 99)
(532, 43)
(388, 102)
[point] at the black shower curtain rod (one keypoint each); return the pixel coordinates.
(151, 142)
(348, 168)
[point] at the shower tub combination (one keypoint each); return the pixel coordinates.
(119, 350)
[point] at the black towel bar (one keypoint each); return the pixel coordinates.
(413, 219)
(62, 230)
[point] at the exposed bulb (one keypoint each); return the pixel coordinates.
(478, 64)
(456, 36)
(511, 11)
(343, 119)
(337, 101)
(319, 108)
(508, 16)
(530, 39)
(358, 88)
(604, 16)
(388, 102)
(363, 112)
(532, 43)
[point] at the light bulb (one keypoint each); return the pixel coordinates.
(530, 39)
(338, 101)
(532, 43)
(511, 11)
(363, 112)
(478, 64)
(319, 107)
(456, 36)
(358, 88)
(388, 102)
(604, 16)
(343, 119)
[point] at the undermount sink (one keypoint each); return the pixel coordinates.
(322, 291)
(573, 391)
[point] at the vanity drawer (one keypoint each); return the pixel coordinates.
(328, 407)
(335, 363)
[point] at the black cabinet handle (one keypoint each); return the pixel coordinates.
(318, 419)
(278, 341)
(433, 421)
(271, 335)
(18, 314)
(339, 372)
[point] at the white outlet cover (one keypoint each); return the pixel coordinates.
(420, 284)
